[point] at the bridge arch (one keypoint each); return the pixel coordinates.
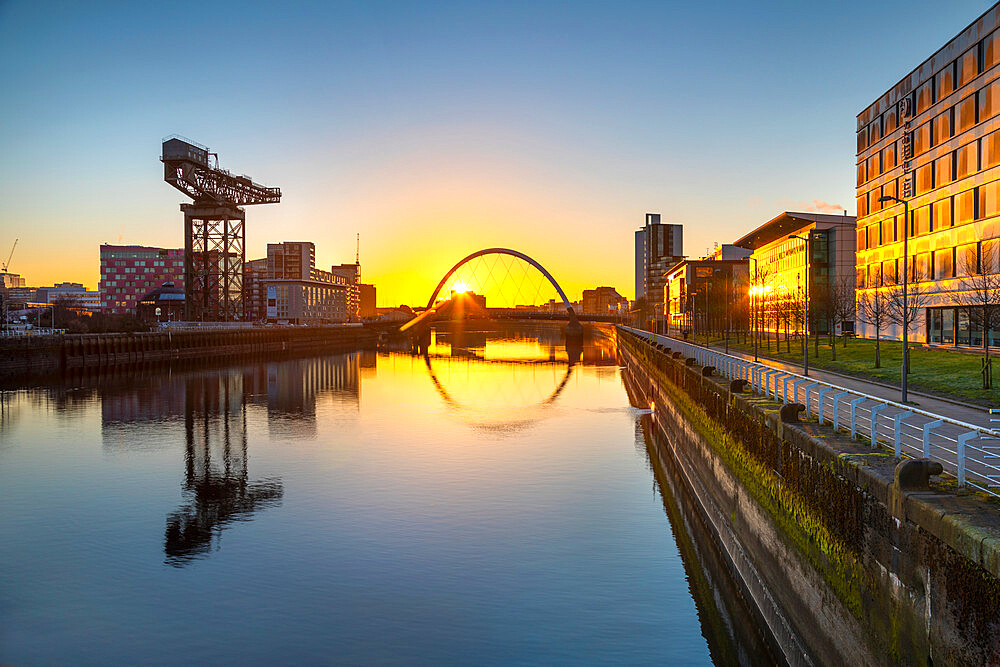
(512, 253)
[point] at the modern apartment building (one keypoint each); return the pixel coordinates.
(933, 140)
(74, 293)
(657, 248)
(299, 293)
(783, 272)
(351, 273)
(129, 272)
(366, 299)
(254, 291)
(708, 293)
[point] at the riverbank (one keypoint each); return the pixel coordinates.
(25, 358)
(844, 562)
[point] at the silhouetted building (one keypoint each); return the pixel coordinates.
(70, 293)
(657, 248)
(708, 294)
(366, 297)
(164, 304)
(603, 301)
(352, 274)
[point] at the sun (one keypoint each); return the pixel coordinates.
(459, 286)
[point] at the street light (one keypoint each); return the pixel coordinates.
(753, 305)
(906, 272)
(805, 342)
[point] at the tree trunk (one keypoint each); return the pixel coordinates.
(878, 352)
(833, 347)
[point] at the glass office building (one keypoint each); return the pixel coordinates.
(933, 140)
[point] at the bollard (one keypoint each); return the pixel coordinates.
(789, 412)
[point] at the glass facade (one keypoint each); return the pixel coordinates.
(941, 126)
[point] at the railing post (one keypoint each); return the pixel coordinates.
(897, 433)
(795, 392)
(819, 402)
(927, 436)
(854, 416)
(962, 439)
(836, 409)
(784, 387)
(874, 425)
(809, 388)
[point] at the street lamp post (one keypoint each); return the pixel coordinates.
(753, 305)
(906, 273)
(805, 347)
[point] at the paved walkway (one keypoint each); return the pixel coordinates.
(961, 411)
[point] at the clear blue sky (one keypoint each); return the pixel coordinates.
(434, 129)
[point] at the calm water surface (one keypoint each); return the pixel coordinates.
(488, 503)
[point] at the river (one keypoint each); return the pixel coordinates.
(493, 501)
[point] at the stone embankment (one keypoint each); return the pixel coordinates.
(39, 356)
(849, 555)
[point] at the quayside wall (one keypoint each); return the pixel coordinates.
(39, 356)
(844, 563)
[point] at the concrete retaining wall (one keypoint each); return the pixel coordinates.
(843, 566)
(26, 357)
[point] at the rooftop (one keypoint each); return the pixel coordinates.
(786, 223)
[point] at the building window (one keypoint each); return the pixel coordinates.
(942, 127)
(944, 169)
(890, 120)
(889, 157)
(968, 160)
(989, 260)
(889, 272)
(991, 51)
(874, 275)
(889, 189)
(944, 266)
(922, 267)
(889, 230)
(875, 130)
(968, 65)
(925, 178)
(989, 200)
(967, 259)
(921, 221)
(922, 139)
(989, 101)
(873, 166)
(965, 115)
(946, 81)
(925, 97)
(941, 217)
(861, 173)
(862, 206)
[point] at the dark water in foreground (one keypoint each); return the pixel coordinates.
(489, 503)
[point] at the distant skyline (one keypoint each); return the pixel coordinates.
(434, 130)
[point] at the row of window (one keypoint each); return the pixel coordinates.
(960, 261)
(977, 59)
(960, 326)
(951, 122)
(975, 204)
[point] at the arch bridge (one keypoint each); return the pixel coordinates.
(424, 319)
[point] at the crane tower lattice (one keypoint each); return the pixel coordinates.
(214, 228)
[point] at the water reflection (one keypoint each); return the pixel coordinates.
(214, 406)
(502, 379)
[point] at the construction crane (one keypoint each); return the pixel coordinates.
(7, 263)
(214, 228)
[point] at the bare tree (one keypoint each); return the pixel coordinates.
(981, 295)
(842, 307)
(873, 309)
(917, 296)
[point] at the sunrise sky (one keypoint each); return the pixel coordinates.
(437, 129)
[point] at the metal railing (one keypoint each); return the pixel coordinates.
(968, 452)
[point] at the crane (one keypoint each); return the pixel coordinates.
(214, 224)
(7, 263)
